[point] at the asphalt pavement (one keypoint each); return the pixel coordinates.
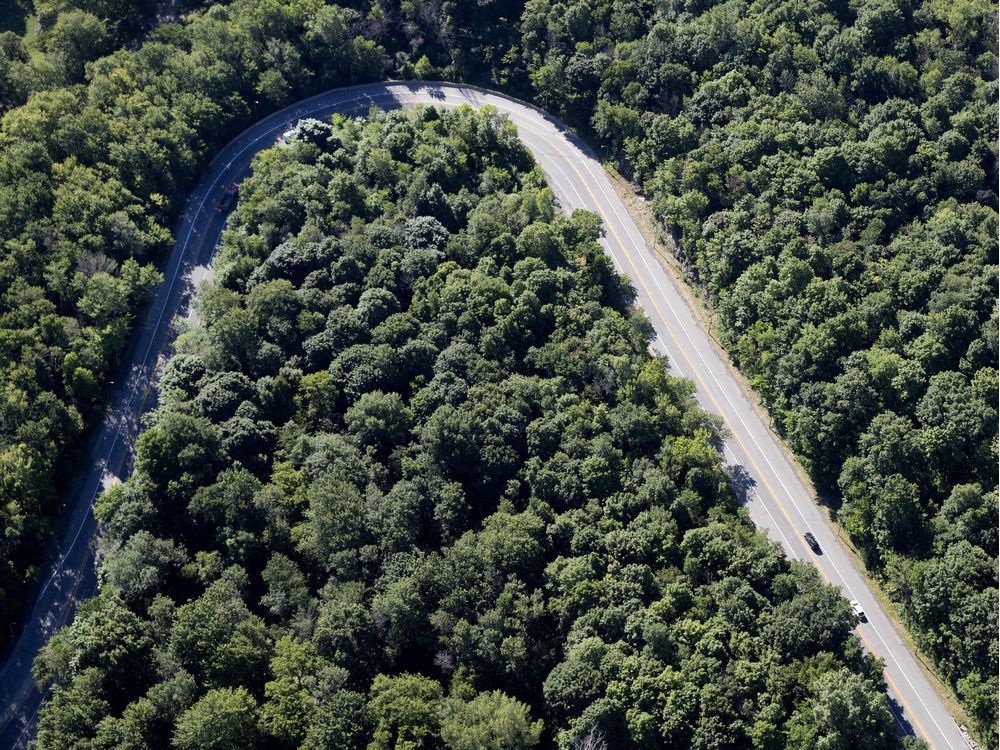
(778, 500)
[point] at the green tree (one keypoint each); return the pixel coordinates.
(405, 712)
(222, 719)
(842, 712)
(76, 38)
(216, 638)
(490, 721)
(381, 420)
(139, 568)
(70, 719)
(178, 453)
(288, 702)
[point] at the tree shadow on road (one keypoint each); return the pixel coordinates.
(742, 483)
(434, 91)
(903, 727)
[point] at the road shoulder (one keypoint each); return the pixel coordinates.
(664, 246)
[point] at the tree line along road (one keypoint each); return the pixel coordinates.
(777, 499)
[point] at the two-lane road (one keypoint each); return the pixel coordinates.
(779, 502)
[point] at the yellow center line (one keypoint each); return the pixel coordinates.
(719, 411)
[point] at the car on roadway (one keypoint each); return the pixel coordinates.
(859, 611)
(811, 541)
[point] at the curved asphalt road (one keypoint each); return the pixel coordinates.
(776, 498)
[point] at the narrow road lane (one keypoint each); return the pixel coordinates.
(778, 501)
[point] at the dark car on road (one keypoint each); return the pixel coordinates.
(811, 541)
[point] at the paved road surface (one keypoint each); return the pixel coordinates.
(777, 500)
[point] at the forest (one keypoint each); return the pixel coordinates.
(416, 482)
(827, 169)
(829, 173)
(96, 155)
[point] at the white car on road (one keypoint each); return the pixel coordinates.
(858, 610)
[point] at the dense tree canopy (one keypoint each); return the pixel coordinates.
(417, 483)
(829, 173)
(828, 170)
(92, 178)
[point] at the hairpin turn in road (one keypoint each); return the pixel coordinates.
(777, 499)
